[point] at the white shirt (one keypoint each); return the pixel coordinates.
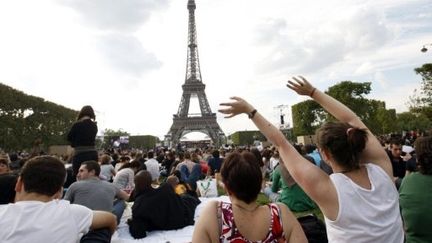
(366, 215)
(124, 179)
(153, 167)
(35, 221)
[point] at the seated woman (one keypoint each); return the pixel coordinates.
(243, 220)
(292, 195)
(124, 178)
(159, 209)
(359, 200)
(416, 194)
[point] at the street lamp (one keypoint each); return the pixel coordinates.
(424, 49)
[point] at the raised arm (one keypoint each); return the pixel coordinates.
(312, 179)
(373, 152)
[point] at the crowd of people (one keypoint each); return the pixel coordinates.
(368, 188)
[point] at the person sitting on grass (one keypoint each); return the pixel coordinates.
(243, 219)
(160, 208)
(291, 195)
(359, 200)
(38, 214)
(416, 195)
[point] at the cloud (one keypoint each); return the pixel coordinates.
(127, 54)
(313, 48)
(116, 15)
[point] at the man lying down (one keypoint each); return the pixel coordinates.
(161, 208)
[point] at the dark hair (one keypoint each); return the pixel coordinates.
(258, 156)
(150, 155)
(423, 148)
(134, 164)
(309, 148)
(92, 165)
(44, 175)
(187, 155)
(344, 142)
(267, 154)
(143, 180)
(242, 176)
(215, 154)
(7, 188)
(87, 111)
(395, 141)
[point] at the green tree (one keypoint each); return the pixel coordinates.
(27, 120)
(421, 101)
(308, 115)
(408, 121)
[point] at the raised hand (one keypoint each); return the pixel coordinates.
(236, 107)
(301, 86)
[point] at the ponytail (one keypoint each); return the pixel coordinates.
(344, 142)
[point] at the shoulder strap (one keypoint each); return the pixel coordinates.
(219, 217)
(279, 228)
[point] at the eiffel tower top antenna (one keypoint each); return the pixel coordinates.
(193, 72)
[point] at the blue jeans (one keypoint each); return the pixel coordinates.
(273, 196)
(192, 177)
(118, 209)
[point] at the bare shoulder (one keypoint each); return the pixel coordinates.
(207, 226)
(292, 228)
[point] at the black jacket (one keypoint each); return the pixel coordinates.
(161, 209)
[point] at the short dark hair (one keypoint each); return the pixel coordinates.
(150, 155)
(87, 111)
(344, 142)
(395, 141)
(92, 165)
(241, 174)
(216, 154)
(44, 175)
(423, 149)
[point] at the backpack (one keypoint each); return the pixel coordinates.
(314, 228)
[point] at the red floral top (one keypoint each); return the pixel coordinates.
(230, 233)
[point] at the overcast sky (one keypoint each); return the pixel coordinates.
(127, 58)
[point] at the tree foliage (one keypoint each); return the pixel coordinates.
(421, 101)
(246, 137)
(409, 121)
(27, 121)
(308, 115)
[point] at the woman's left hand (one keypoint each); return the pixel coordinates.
(238, 106)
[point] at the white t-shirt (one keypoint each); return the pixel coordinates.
(153, 167)
(35, 221)
(366, 215)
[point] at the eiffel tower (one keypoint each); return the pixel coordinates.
(183, 122)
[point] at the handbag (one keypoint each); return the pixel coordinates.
(207, 187)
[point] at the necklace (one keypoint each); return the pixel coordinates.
(246, 209)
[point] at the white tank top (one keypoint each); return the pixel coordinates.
(366, 215)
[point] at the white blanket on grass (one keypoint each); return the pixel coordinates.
(183, 235)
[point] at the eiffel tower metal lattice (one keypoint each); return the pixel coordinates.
(183, 122)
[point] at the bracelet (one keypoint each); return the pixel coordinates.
(313, 91)
(252, 114)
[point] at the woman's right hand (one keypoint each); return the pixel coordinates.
(301, 86)
(238, 106)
